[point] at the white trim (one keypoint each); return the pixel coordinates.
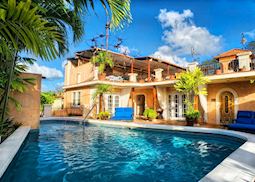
(218, 102)
(172, 106)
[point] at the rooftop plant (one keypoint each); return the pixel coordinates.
(102, 59)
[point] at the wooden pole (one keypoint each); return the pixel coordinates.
(154, 98)
(132, 66)
(149, 70)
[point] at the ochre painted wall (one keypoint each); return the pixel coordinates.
(246, 97)
(29, 114)
(71, 72)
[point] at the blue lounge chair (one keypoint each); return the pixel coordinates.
(245, 121)
(123, 113)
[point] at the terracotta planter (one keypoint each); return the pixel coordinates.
(102, 76)
(218, 72)
(141, 81)
(172, 77)
(243, 69)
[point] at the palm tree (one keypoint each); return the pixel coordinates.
(40, 28)
(100, 91)
(191, 84)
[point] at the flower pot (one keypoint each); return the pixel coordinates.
(243, 69)
(218, 72)
(190, 121)
(172, 77)
(102, 76)
(141, 81)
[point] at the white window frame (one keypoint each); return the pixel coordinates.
(171, 107)
(113, 102)
(76, 101)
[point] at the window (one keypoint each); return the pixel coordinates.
(76, 98)
(109, 103)
(184, 107)
(113, 101)
(117, 101)
(176, 106)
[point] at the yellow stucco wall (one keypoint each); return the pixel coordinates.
(29, 114)
(71, 72)
(245, 92)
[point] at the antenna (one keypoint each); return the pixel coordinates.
(107, 29)
(243, 40)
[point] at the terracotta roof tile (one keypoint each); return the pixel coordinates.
(231, 52)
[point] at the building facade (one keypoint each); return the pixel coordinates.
(147, 82)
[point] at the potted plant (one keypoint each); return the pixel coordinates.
(104, 115)
(151, 114)
(191, 115)
(218, 71)
(172, 77)
(101, 60)
(191, 83)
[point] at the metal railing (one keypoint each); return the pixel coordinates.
(210, 69)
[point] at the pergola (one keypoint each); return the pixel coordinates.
(127, 64)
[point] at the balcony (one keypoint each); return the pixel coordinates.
(219, 68)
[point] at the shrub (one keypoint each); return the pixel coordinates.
(104, 115)
(150, 113)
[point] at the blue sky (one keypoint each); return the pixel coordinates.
(167, 29)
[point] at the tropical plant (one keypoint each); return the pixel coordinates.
(40, 28)
(150, 114)
(104, 115)
(102, 59)
(47, 98)
(100, 91)
(191, 83)
(191, 114)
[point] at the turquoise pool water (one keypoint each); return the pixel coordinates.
(69, 152)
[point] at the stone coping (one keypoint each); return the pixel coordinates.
(238, 166)
(10, 147)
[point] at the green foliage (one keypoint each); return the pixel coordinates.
(117, 10)
(191, 82)
(104, 115)
(102, 89)
(191, 113)
(102, 59)
(9, 126)
(210, 61)
(150, 113)
(47, 97)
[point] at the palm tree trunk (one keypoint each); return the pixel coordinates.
(100, 102)
(6, 94)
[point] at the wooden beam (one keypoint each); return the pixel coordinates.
(149, 69)
(154, 98)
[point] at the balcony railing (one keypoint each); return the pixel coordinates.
(210, 69)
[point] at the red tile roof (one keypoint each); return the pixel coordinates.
(231, 52)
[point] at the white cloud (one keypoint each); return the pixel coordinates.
(45, 71)
(124, 50)
(181, 35)
(63, 64)
(251, 33)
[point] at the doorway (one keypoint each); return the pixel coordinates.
(227, 107)
(140, 104)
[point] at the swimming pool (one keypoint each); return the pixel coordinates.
(69, 152)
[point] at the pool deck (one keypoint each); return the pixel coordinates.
(10, 147)
(238, 166)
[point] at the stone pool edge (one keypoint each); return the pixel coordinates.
(238, 166)
(10, 147)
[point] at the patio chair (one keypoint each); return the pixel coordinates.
(123, 113)
(245, 121)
